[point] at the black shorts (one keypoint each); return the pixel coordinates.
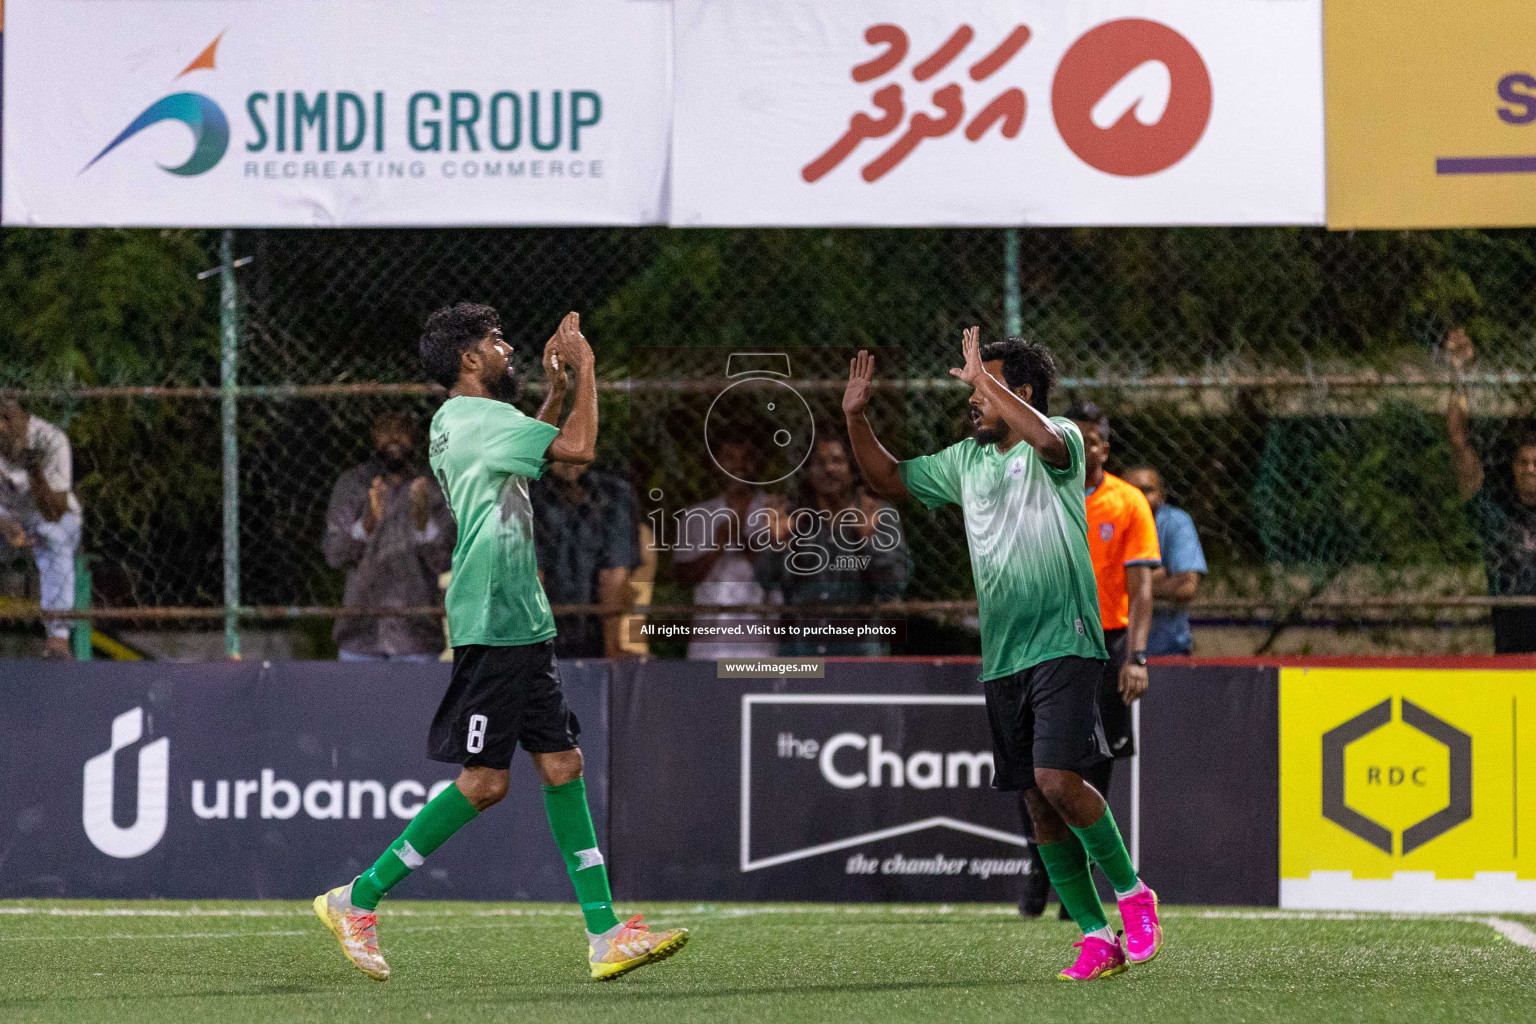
(1114, 712)
(1046, 716)
(500, 697)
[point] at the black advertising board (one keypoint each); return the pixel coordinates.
(254, 781)
(789, 790)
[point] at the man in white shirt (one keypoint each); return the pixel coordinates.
(711, 553)
(38, 510)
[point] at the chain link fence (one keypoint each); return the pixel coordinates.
(1289, 384)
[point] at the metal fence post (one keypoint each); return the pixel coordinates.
(1013, 323)
(229, 342)
(80, 630)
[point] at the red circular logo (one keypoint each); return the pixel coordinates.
(1108, 86)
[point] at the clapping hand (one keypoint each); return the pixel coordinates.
(13, 534)
(570, 344)
(421, 502)
(378, 497)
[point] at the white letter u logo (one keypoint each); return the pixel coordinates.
(154, 789)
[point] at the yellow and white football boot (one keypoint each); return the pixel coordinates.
(630, 945)
(355, 928)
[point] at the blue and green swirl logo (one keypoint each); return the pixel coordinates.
(210, 128)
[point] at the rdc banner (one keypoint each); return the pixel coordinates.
(907, 112)
(1408, 789)
(345, 113)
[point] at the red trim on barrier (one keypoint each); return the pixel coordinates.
(1486, 661)
(1483, 661)
(929, 659)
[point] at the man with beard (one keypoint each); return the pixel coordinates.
(505, 687)
(389, 527)
(1019, 479)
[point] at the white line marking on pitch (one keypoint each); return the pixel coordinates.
(1514, 931)
(184, 935)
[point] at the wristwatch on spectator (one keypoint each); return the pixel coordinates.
(1139, 658)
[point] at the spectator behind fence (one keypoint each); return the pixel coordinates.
(711, 553)
(1504, 514)
(390, 528)
(38, 510)
(1175, 582)
(839, 544)
(584, 531)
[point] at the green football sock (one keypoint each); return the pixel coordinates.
(444, 815)
(1103, 843)
(1066, 864)
(571, 822)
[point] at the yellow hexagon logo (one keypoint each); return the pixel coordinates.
(1397, 782)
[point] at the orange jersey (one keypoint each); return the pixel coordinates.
(1121, 532)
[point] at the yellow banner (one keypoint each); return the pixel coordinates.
(1416, 776)
(1431, 113)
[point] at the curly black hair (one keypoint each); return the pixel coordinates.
(1089, 412)
(1025, 361)
(450, 332)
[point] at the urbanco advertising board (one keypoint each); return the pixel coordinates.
(346, 113)
(250, 781)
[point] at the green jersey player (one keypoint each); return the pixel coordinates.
(1019, 480)
(505, 687)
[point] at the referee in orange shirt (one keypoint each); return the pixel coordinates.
(1122, 539)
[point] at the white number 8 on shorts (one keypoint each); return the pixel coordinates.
(475, 741)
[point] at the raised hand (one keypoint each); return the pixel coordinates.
(970, 348)
(1458, 348)
(861, 370)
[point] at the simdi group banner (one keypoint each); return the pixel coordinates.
(978, 112)
(343, 113)
(1408, 789)
(1431, 114)
(498, 112)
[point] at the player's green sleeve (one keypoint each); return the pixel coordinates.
(515, 443)
(1076, 457)
(933, 479)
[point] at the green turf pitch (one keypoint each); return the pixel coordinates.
(236, 962)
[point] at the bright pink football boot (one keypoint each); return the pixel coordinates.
(1143, 933)
(1098, 959)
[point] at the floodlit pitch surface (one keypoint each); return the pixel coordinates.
(235, 962)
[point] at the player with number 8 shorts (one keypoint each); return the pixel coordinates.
(505, 688)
